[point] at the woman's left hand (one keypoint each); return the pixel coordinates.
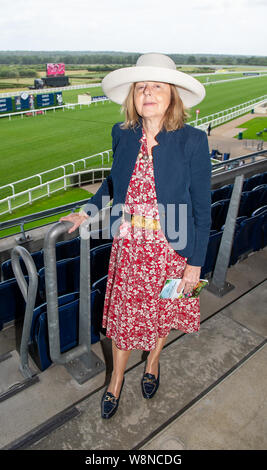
(190, 278)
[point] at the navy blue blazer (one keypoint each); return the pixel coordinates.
(182, 170)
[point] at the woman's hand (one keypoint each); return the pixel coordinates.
(76, 218)
(190, 278)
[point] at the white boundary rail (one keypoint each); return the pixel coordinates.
(220, 117)
(52, 108)
(231, 80)
(42, 183)
(49, 90)
(67, 183)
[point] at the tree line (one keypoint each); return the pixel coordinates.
(16, 72)
(120, 58)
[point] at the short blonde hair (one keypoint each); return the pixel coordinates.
(175, 116)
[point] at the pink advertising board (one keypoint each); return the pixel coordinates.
(55, 69)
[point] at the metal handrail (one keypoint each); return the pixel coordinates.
(83, 351)
(218, 285)
(52, 297)
(29, 293)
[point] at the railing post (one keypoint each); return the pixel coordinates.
(218, 285)
(80, 361)
(29, 294)
(9, 205)
(24, 238)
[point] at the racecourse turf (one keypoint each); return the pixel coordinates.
(253, 127)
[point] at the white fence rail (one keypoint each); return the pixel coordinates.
(98, 174)
(64, 167)
(229, 80)
(220, 117)
(50, 90)
(53, 108)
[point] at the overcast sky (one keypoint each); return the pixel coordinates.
(168, 26)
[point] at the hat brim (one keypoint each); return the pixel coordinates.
(116, 85)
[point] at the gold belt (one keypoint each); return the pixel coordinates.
(141, 221)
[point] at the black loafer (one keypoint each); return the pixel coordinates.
(150, 385)
(109, 404)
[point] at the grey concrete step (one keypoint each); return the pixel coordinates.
(233, 415)
(190, 367)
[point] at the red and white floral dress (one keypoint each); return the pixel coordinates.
(141, 260)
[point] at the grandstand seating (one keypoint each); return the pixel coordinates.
(68, 271)
(250, 201)
(250, 235)
(68, 311)
(65, 249)
(222, 193)
(12, 304)
(68, 249)
(71, 248)
(250, 183)
(68, 277)
(212, 251)
(260, 210)
(218, 213)
(7, 270)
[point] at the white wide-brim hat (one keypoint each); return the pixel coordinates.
(153, 67)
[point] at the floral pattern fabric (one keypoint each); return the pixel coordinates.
(141, 260)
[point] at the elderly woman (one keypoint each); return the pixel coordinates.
(160, 179)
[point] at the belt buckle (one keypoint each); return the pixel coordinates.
(143, 222)
(133, 219)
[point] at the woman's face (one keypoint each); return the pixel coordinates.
(152, 99)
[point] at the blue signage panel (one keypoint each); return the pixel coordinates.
(45, 100)
(99, 98)
(6, 105)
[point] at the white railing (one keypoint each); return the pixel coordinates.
(225, 115)
(227, 72)
(67, 183)
(229, 80)
(49, 90)
(63, 168)
(52, 108)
